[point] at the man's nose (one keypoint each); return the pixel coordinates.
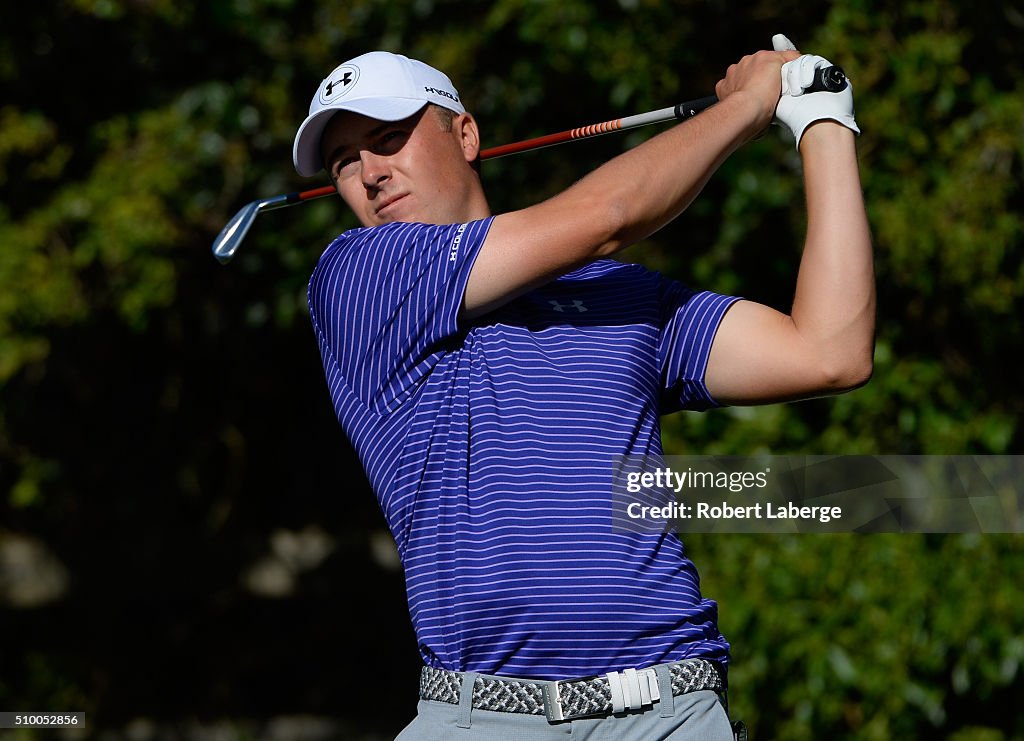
(374, 167)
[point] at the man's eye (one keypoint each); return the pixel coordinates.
(391, 141)
(342, 165)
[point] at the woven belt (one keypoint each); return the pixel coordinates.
(566, 699)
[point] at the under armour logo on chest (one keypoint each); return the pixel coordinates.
(560, 307)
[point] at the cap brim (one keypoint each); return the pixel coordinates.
(306, 148)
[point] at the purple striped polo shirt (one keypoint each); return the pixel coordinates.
(490, 446)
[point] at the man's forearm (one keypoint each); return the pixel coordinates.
(653, 183)
(834, 305)
(620, 203)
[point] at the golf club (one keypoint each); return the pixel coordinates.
(831, 79)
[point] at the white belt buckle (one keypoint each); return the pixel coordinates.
(632, 689)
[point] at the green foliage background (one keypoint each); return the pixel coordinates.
(162, 416)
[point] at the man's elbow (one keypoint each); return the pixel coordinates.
(615, 225)
(849, 373)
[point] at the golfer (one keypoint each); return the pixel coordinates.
(488, 369)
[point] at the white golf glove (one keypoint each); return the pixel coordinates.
(797, 109)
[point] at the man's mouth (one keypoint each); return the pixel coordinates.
(386, 204)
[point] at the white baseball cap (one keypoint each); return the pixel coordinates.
(381, 85)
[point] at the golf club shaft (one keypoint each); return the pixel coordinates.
(676, 113)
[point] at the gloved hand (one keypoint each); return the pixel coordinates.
(797, 109)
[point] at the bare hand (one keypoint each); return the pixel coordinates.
(758, 78)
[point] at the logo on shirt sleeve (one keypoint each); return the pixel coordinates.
(453, 253)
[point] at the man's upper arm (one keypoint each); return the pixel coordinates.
(759, 357)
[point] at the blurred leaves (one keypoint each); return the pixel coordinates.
(869, 632)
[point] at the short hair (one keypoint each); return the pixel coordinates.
(446, 117)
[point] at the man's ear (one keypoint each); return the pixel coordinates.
(469, 136)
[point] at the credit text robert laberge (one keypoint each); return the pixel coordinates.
(736, 481)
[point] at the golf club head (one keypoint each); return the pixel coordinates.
(231, 236)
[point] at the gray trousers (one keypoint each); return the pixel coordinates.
(697, 716)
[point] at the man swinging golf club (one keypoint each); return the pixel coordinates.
(488, 369)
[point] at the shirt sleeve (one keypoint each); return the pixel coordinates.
(690, 321)
(385, 300)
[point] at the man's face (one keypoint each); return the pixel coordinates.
(411, 170)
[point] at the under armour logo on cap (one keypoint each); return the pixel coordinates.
(339, 83)
(345, 80)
